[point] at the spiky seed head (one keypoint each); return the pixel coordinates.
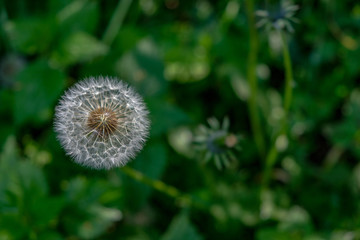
(279, 17)
(216, 142)
(101, 122)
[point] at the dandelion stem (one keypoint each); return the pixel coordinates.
(288, 74)
(184, 199)
(251, 76)
(116, 21)
(273, 152)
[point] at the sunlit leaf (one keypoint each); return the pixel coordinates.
(78, 47)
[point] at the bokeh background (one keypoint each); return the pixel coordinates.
(188, 59)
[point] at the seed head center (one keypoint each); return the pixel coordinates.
(103, 122)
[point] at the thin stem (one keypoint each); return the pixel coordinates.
(251, 76)
(183, 199)
(116, 21)
(288, 75)
(273, 152)
(4, 41)
(270, 161)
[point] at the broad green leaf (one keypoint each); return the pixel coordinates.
(78, 47)
(31, 35)
(144, 69)
(85, 192)
(13, 226)
(21, 183)
(128, 37)
(78, 15)
(181, 228)
(99, 220)
(23, 194)
(46, 210)
(39, 86)
(85, 216)
(164, 117)
(32, 180)
(296, 219)
(104, 65)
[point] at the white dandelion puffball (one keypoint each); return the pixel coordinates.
(101, 122)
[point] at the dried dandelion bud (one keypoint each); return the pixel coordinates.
(101, 122)
(280, 16)
(216, 142)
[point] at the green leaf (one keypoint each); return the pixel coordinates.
(6, 129)
(32, 181)
(31, 35)
(9, 155)
(144, 68)
(13, 226)
(274, 234)
(45, 210)
(39, 86)
(8, 166)
(104, 65)
(50, 235)
(6, 96)
(79, 15)
(23, 194)
(160, 120)
(79, 47)
(99, 220)
(86, 192)
(296, 219)
(128, 37)
(85, 216)
(181, 228)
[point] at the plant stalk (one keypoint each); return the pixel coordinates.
(273, 152)
(252, 79)
(116, 21)
(183, 199)
(288, 75)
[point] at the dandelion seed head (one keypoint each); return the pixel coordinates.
(101, 122)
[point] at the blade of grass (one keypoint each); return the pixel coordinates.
(116, 21)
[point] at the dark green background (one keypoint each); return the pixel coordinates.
(188, 59)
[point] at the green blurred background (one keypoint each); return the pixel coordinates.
(188, 59)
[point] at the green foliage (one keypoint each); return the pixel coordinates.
(32, 103)
(26, 205)
(181, 228)
(151, 162)
(30, 36)
(78, 47)
(189, 60)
